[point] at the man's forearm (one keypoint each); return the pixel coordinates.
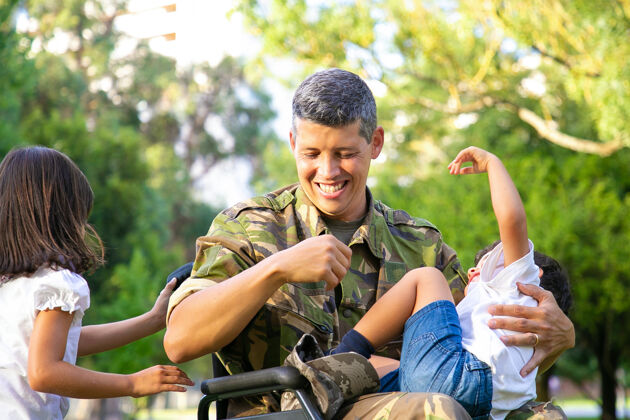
(206, 321)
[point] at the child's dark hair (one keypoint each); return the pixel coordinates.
(45, 201)
(554, 278)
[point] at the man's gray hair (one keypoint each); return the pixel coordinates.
(335, 98)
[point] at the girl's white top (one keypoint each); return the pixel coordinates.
(21, 299)
(497, 285)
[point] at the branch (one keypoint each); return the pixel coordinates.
(544, 128)
(546, 131)
(564, 62)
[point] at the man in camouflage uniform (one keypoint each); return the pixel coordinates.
(313, 257)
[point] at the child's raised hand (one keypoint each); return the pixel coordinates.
(158, 379)
(478, 157)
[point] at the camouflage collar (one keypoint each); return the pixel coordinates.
(312, 221)
(310, 217)
(369, 233)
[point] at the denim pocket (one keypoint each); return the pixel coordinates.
(428, 364)
(475, 388)
(476, 365)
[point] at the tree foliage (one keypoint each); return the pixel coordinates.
(453, 58)
(136, 124)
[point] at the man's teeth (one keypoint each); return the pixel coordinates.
(331, 188)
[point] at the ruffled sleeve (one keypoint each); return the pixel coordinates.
(62, 289)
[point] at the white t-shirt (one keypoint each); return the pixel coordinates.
(21, 299)
(497, 285)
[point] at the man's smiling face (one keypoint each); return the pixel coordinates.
(333, 164)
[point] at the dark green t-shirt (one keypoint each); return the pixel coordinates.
(343, 230)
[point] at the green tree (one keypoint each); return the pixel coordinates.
(454, 58)
(16, 78)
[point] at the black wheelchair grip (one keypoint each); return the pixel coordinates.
(181, 274)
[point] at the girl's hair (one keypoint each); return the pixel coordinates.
(45, 201)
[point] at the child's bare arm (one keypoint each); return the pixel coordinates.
(103, 337)
(47, 372)
(506, 201)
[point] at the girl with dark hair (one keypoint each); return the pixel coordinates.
(45, 245)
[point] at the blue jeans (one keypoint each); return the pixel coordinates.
(433, 360)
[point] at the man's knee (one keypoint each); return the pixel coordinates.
(535, 410)
(404, 405)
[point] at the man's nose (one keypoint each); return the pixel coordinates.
(328, 167)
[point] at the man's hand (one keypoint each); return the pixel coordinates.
(554, 329)
(321, 258)
(230, 305)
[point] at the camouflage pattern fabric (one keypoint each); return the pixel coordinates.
(403, 406)
(334, 379)
(384, 248)
(537, 411)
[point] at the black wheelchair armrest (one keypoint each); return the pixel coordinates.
(181, 274)
(280, 378)
(256, 382)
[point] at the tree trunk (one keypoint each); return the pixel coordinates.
(609, 396)
(542, 385)
(608, 362)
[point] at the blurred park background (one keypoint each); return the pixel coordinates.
(176, 109)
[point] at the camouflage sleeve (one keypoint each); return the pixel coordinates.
(223, 253)
(447, 261)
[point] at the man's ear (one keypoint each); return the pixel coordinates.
(378, 137)
(292, 140)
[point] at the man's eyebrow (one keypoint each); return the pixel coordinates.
(336, 149)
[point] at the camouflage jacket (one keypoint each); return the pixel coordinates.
(384, 248)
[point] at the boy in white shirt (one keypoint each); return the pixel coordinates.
(452, 350)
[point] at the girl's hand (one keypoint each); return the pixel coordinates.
(158, 312)
(479, 158)
(158, 379)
